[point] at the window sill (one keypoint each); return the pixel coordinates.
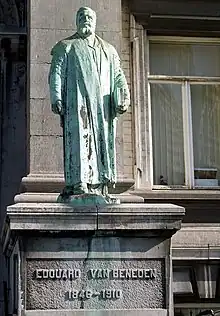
(179, 194)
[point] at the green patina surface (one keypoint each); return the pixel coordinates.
(88, 90)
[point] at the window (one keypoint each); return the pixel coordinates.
(184, 90)
(198, 311)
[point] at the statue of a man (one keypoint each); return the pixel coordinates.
(88, 90)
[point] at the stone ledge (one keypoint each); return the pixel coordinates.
(197, 242)
(55, 183)
(195, 254)
(174, 194)
(55, 216)
(34, 197)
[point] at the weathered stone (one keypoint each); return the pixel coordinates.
(124, 217)
(42, 121)
(130, 312)
(43, 14)
(41, 43)
(39, 79)
(46, 152)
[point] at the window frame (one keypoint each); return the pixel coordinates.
(185, 82)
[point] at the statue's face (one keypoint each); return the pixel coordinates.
(86, 22)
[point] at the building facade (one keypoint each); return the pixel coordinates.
(168, 143)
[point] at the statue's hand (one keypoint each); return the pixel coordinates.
(121, 98)
(57, 107)
(122, 108)
(122, 101)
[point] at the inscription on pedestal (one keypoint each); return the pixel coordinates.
(95, 284)
(96, 274)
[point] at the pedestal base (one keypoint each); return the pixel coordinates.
(106, 261)
(86, 200)
(132, 312)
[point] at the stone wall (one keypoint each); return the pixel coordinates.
(126, 65)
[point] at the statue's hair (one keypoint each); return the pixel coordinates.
(83, 9)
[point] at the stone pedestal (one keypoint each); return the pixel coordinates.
(110, 261)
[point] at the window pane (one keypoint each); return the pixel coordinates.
(185, 59)
(206, 133)
(167, 129)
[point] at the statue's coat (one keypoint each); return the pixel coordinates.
(85, 79)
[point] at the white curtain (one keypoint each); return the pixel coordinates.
(206, 125)
(185, 59)
(167, 130)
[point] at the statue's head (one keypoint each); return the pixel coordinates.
(85, 21)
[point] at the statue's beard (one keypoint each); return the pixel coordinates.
(85, 30)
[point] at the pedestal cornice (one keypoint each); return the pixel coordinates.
(147, 219)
